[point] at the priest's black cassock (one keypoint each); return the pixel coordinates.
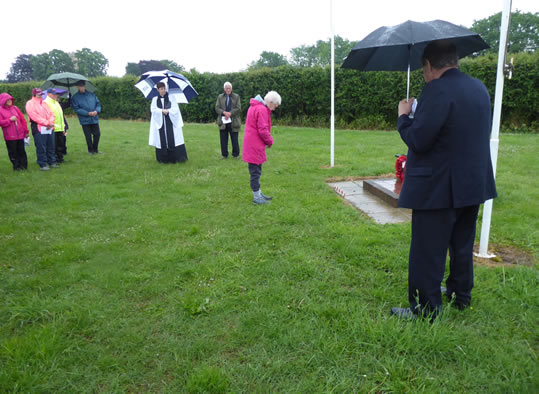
(166, 133)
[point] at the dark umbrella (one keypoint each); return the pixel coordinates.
(400, 47)
(67, 80)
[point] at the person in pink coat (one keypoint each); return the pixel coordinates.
(42, 125)
(256, 138)
(15, 131)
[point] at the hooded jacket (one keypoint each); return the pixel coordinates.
(257, 132)
(12, 130)
(39, 113)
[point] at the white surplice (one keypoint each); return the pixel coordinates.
(157, 120)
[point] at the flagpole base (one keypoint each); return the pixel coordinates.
(484, 256)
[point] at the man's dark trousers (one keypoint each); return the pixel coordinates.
(432, 232)
(92, 130)
(224, 141)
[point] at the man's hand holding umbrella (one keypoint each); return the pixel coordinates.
(405, 106)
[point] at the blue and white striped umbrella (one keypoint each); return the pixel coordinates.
(177, 85)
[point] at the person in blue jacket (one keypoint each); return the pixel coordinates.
(87, 107)
(448, 175)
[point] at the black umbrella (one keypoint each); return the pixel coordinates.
(400, 47)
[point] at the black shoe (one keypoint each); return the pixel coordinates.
(451, 297)
(403, 313)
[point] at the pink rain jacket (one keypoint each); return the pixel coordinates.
(12, 130)
(39, 112)
(257, 133)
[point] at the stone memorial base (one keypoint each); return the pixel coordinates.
(380, 205)
(386, 189)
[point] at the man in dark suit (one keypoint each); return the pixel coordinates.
(448, 175)
(228, 109)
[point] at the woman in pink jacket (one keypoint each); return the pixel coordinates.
(15, 131)
(42, 125)
(257, 137)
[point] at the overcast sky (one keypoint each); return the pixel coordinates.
(211, 35)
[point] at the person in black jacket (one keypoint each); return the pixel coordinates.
(448, 175)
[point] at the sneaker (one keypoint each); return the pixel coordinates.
(266, 197)
(98, 153)
(45, 168)
(260, 200)
(54, 165)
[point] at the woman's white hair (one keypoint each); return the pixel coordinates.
(273, 97)
(227, 84)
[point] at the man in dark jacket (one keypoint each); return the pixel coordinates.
(448, 175)
(228, 109)
(87, 107)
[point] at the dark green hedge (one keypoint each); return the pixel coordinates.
(363, 100)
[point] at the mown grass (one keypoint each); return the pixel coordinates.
(119, 274)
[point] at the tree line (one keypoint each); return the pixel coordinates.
(523, 37)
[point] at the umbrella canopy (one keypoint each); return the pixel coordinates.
(67, 80)
(400, 47)
(178, 85)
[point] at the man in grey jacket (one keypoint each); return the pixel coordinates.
(228, 109)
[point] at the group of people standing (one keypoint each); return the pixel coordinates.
(257, 135)
(166, 131)
(448, 172)
(48, 125)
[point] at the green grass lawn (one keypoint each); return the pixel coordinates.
(119, 274)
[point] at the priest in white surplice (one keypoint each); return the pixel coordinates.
(166, 128)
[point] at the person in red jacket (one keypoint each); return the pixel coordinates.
(15, 131)
(257, 137)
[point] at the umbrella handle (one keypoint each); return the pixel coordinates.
(408, 84)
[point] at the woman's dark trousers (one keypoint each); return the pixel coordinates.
(255, 170)
(17, 154)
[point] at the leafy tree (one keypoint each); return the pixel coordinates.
(523, 32)
(132, 69)
(56, 61)
(173, 66)
(152, 65)
(268, 59)
(21, 70)
(90, 63)
(319, 54)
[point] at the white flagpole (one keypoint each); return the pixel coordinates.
(494, 137)
(332, 119)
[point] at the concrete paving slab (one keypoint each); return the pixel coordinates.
(349, 188)
(377, 209)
